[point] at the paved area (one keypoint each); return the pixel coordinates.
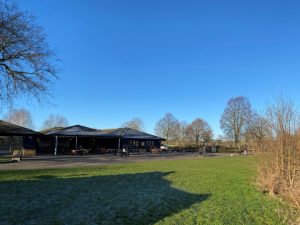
(49, 161)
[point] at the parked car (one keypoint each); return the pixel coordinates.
(164, 148)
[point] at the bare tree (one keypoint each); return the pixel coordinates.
(20, 117)
(235, 118)
(258, 130)
(180, 133)
(135, 123)
(26, 63)
(279, 169)
(199, 130)
(165, 126)
(55, 121)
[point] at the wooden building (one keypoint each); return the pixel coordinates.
(13, 137)
(64, 140)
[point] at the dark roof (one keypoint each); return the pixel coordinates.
(8, 129)
(76, 130)
(79, 130)
(130, 133)
(50, 129)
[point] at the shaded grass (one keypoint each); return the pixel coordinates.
(204, 191)
(5, 160)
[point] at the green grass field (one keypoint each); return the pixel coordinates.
(204, 191)
(4, 160)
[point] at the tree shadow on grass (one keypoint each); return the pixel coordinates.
(142, 198)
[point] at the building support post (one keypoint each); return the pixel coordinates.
(56, 145)
(119, 145)
(76, 143)
(10, 145)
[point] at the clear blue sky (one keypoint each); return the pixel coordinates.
(124, 59)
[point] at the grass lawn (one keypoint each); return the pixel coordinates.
(204, 191)
(4, 160)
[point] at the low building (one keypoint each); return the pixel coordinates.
(13, 137)
(64, 140)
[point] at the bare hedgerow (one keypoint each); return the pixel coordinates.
(279, 170)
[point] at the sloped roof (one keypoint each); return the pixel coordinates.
(7, 129)
(78, 130)
(51, 129)
(130, 133)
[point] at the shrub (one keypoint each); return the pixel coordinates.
(279, 168)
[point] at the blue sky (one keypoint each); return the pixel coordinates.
(124, 59)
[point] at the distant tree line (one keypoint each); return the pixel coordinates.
(180, 132)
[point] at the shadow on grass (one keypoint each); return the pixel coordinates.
(142, 198)
(5, 160)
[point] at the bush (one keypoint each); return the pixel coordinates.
(279, 168)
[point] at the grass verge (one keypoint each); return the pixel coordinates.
(204, 191)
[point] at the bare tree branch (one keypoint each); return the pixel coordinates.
(20, 117)
(199, 130)
(165, 127)
(55, 121)
(26, 62)
(135, 123)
